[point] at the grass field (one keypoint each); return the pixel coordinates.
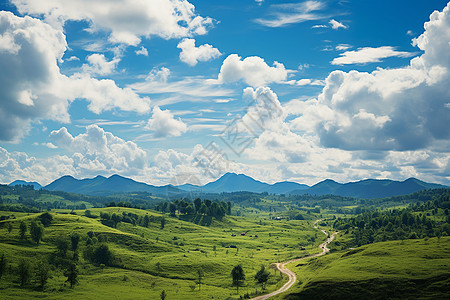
(154, 259)
(410, 269)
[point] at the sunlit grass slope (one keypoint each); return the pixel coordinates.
(152, 259)
(410, 269)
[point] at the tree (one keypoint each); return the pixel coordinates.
(46, 218)
(24, 272)
(207, 202)
(164, 207)
(88, 213)
(146, 221)
(172, 209)
(10, 228)
(2, 265)
(199, 278)
(42, 273)
(36, 231)
(22, 230)
(189, 210)
(62, 244)
(238, 276)
(163, 222)
(72, 274)
(262, 276)
(102, 255)
(163, 295)
(203, 208)
(197, 203)
(74, 239)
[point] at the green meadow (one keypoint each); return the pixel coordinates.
(149, 259)
(409, 269)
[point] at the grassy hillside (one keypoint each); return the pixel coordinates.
(150, 259)
(410, 269)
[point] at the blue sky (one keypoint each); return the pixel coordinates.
(183, 91)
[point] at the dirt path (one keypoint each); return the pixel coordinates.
(289, 273)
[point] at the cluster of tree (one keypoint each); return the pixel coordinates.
(216, 209)
(113, 219)
(238, 277)
(36, 227)
(24, 198)
(26, 272)
(419, 220)
(40, 271)
(65, 258)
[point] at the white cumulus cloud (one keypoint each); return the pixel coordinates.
(336, 24)
(97, 151)
(98, 65)
(163, 124)
(253, 70)
(32, 87)
(389, 109)
(142, 51)
(126, 20)
(192, 55)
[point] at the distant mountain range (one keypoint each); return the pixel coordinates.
(231, 182)
(103, 186)
(36, 185)
(369, 188)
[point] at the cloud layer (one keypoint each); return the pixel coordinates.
(291, 13)
(32, 87)
(126, 20)
(368, 55)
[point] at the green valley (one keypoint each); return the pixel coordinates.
(137, 246)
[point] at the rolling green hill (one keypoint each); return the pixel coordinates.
(410, 269)
(149, 259)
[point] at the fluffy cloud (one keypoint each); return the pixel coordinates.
(163, 124)
(97, 64)
(97, 151)
(336, 25)
(142, 51)
(265, 111)
(102, 95)
(306, 81)
(127, 20)
(20, 166)
(32, 87)
(192, 55)
(368, 55)
(29, 53)
(388, 109)
(202, 165)
(301, 157)
(253, 70)
(390, 123)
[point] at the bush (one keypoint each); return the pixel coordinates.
(46, 219)
(100, 255)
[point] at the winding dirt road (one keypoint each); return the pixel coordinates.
(289, 273)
